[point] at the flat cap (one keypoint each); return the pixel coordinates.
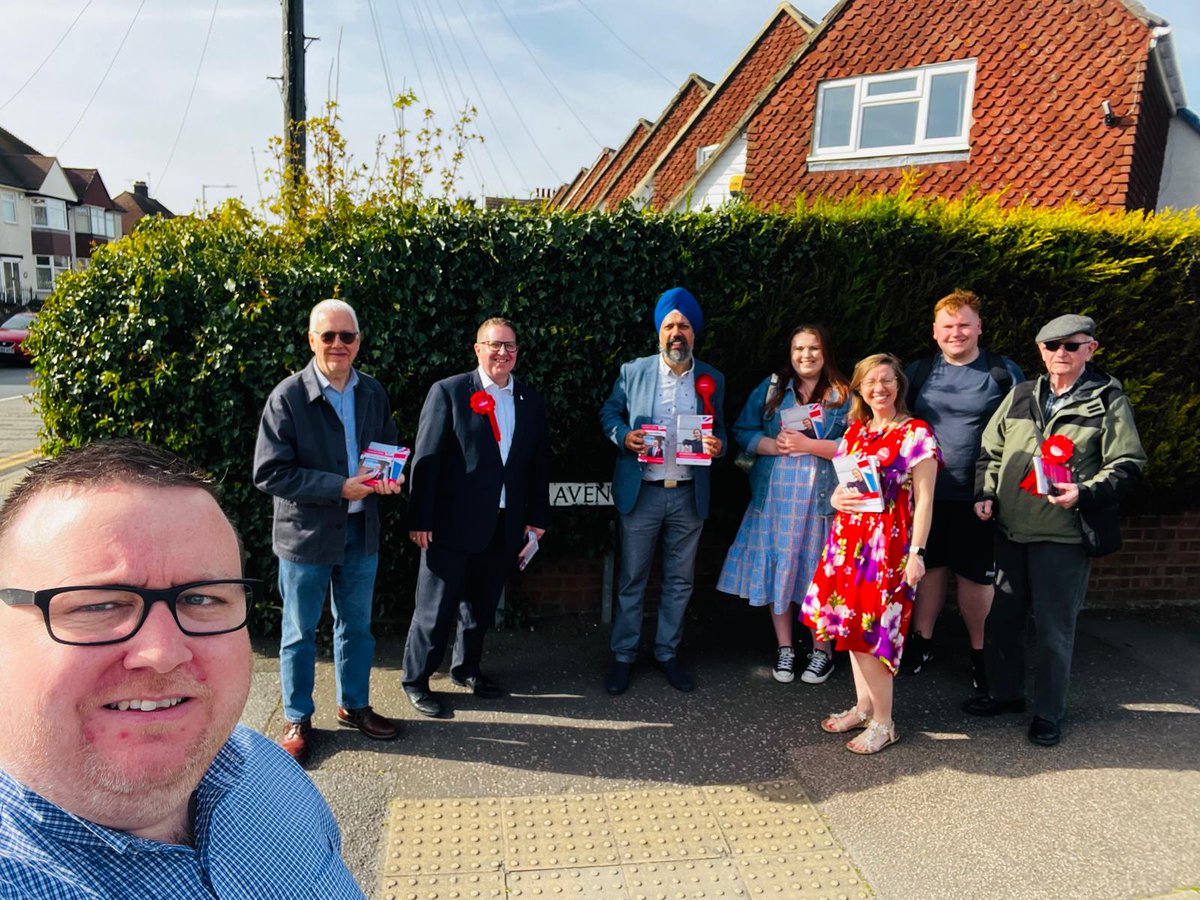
(1065, 326)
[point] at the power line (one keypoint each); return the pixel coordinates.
(624, 44)
(103, 77)
(48, 55)
(383, 61)
(192, 93)
(500, 83)
(549, 80)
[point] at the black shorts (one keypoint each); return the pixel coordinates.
(958, 540)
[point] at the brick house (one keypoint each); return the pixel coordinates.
(138, 203)
(1051, 100)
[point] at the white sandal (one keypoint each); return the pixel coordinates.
(875, 738)
(848, 720)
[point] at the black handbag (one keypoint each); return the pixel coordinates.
(1101, 529)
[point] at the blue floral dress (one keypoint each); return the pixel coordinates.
(858, 597)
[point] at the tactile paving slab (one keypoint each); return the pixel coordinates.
(770, 818)
(661, 824)
(549, 832)
(758, 840)
(435, 837)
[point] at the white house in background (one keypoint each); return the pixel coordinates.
(50, 218)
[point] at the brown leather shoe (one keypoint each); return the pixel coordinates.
(297, 740)
(369, 722)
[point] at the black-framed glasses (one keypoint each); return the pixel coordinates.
(85, 615)
(347, 337)
(1069, 346)
(497, 346)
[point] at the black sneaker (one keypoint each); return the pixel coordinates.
(785, 665)
(918, 653)
(978, 672)
(820, 667)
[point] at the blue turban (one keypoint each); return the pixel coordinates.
(680, 299)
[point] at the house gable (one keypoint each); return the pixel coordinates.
(597, 169)
(640, 132)
(1036, 129)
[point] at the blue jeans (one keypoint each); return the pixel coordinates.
(303, 586)
(671, 512)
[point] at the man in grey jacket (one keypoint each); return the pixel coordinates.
(326, 529)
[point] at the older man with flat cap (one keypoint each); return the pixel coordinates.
(1049, 528)
(667, 499)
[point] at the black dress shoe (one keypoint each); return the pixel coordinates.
(425, 703)
(676, 677)
(617, 680)
(1044, 732)
(988, 705)
(480, 685)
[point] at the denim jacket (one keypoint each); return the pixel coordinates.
(753, 425)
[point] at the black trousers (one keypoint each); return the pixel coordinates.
(454, 586)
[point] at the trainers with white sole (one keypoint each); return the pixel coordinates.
(820, 667)
(785, 665)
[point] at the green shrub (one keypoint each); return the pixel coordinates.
(177, 333)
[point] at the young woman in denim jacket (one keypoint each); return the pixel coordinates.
(777, 548)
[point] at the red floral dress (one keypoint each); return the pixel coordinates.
(858, 597)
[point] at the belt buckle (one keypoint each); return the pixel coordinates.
(670, 483)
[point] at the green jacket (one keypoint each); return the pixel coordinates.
(1106, 462)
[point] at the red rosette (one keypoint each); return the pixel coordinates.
(484, 404)
(1058, 448)
(706, 386)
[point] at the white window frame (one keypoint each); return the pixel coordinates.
(703, 154)
(8, 207)
(54, 265)
(10, 280)
(47, 204)
(921, 146)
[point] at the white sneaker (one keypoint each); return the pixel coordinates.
(785, 665)
(820, 667)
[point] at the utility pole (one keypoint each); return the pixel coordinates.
(293, 91)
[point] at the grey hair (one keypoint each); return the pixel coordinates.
(331, 306)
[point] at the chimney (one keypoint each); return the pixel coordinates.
(140, 190)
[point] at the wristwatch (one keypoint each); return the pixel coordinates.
(919, 551)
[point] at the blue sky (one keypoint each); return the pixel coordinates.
(552, 84)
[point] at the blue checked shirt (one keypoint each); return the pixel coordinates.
(262, 830)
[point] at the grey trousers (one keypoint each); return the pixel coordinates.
(1046, 582)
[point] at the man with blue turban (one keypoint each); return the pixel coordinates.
(665, 499)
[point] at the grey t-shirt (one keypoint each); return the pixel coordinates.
(958, 402)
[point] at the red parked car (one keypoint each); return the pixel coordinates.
(12, 337)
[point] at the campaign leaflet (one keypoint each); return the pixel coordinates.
(858, 473)
(1048, 474)
(689, 440)
(655, 449)
(527, 552)
(806, 418)
(384, 460)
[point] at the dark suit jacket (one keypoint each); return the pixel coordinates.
(300, 460)
(457, 473)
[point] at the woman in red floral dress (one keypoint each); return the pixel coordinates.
(862, 593)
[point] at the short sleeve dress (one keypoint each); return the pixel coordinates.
(858, 597)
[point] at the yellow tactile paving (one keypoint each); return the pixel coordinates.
(759, 840)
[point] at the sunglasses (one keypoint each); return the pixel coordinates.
(348, 337)
(1069, 346)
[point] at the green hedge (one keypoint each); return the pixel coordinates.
(177, 333)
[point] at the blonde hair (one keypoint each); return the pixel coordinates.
(498, 321)
(860, 410)
(956, 300)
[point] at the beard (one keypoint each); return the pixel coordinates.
(677, 351)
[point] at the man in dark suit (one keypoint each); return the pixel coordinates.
(480, 485)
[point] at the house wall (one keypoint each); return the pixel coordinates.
(1180, 185)
(713, 188)
(1043, 70)
(1150, 142)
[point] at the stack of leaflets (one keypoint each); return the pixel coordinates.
(806, 418)
(859, 474)
(690, 432)
(1048, 474)
(655, 449)
(384, 460)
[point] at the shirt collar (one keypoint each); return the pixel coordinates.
(665, 369)
(488, 383)
(325, 383)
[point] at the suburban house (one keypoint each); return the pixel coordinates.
(137, 203)
(1048, 100)
(50, 218)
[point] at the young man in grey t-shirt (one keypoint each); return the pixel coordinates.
(956, 391)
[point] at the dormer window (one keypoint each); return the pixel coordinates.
(49, 213)
(913, 112)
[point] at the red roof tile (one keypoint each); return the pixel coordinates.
(624, 153)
